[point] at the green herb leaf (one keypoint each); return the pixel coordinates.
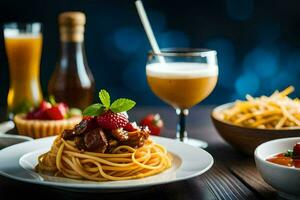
(52, 100)
(105, 98)
(74, 112)
(289, 153)
(94, 110)
(121, 105)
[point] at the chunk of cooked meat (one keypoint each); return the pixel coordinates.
(81, 127)
(135, 139)
(85, 125)
(95, 140)
(79, 141)
(120, 134)
(68, 134)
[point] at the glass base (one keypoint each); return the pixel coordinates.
(195, 142)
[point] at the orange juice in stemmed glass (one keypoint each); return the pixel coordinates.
(23, 44)
(184, 79)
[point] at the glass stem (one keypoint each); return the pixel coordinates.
(181, 133)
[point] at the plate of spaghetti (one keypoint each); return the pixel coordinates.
(104, 152)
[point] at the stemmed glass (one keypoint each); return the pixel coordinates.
(183, 77)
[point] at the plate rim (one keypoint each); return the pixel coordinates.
(110, 187)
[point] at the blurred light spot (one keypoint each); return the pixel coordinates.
(173, 39)
(226, 59)
(247, 83)
(263, 61)
(239, 9)
(234, 96)
(158, 21)
(128, 40)
(284, 79)
(268, 31)
(293, 62)
(134, 76)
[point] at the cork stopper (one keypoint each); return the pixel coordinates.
(71, 26)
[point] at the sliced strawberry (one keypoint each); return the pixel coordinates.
(154, 123)
(44, 105)
(130, 127)
(37, 114)
(57, 112)
(110, 120)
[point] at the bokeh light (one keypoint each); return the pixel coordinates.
(284, 79)
(134, 76)
(293, 62)
(158, 21)
(263, 61)
(128, 39)
(247, 83)
(226, 59)
(173, 38)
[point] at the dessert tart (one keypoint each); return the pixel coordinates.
(47, 120)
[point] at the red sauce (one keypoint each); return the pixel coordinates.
(281, 159)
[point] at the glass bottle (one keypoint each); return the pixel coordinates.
(72, 81)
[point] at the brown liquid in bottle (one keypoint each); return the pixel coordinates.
(72, 81)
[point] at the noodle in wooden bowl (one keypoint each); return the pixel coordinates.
(247, 124)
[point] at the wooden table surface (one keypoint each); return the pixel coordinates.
(233, 176)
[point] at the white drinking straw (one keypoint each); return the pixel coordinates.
(148, 29)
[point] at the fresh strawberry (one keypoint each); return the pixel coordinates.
(296, 150)
(57, 112)
(130, 127)
(87, 118)
(110, 120)
(297, 163)
(154, 123)
(44, 105)
(37, 114)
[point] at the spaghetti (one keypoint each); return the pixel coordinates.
(122, 163)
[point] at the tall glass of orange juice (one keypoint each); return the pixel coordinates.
(23, 44)
(183, 78)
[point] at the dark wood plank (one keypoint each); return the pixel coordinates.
(248, 173)
(225, 185)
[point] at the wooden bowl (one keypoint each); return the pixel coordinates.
(246, 139)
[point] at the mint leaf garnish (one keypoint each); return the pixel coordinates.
(289, 153)
(94, 110)
(105, 98)
(121, 105)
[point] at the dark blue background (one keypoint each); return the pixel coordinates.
(258, 42)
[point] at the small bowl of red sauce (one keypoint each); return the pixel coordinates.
(290, 158)
(278, 161)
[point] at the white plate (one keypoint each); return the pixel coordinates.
(18, 162)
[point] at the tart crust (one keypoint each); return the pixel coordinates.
(43, 128)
